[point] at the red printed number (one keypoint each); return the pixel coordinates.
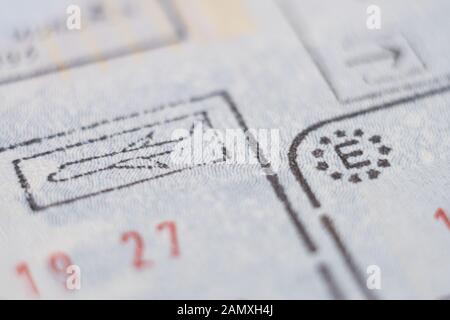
(172, 228)
(441, 215)
(23, 270)
(59, 262)
(138, 260)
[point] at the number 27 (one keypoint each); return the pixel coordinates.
(139, 262)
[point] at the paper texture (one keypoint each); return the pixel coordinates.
(343, 185)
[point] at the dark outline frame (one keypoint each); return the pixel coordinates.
(376, 94)
(27, 188)
(327, 221)
(322, 268)
(167, 6)
(293, 150)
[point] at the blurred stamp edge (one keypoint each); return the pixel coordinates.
(167, 6)
(24, 183)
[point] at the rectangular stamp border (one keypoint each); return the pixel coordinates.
(409, 87)
(435, 82)
(326, 275)
(172, 14)
(34, 206)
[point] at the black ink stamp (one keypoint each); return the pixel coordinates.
(120, 153)
(354, 164)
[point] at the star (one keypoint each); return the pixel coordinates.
(384, 150)
(340, 133)
(383, 163)
(324, 140)
(323, 166)
(336, 175)
(354, 178)
(318, 153)
(373, 174)
(358, 133)
(375, 139)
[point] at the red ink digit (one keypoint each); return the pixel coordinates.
(138, 261)
(22, 269)
(440, 214)
(174, 247)
(59, 262)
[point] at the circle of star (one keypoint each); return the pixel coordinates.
(371, 173)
